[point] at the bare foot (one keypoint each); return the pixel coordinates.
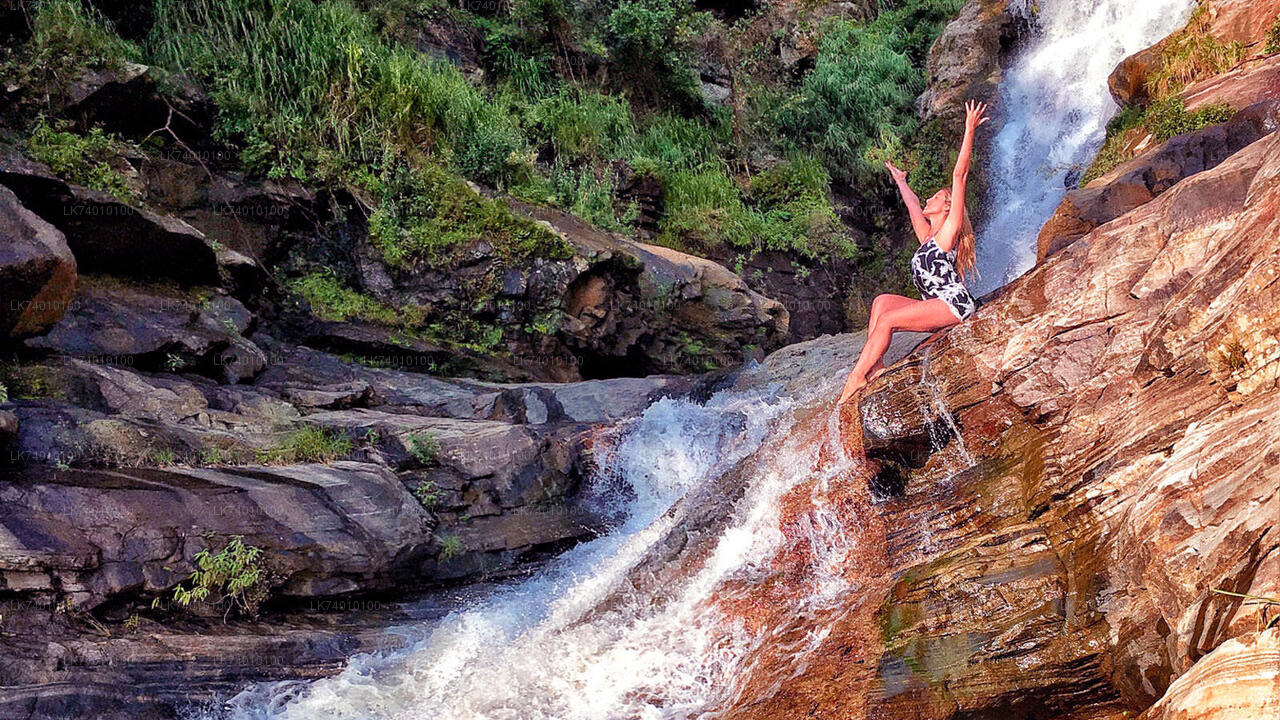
(851, 388)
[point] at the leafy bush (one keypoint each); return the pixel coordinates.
(1273, 38)
(648, 41)
(233, 575)
(425, 214)
(67, 36)
(82, 159)
(427, 494)
(584, 126)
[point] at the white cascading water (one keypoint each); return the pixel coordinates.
(545, 650)
(535, 652)
(1055, 111)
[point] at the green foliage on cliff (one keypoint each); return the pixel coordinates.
(1191, 53)
(1273, 38)
(425, 214)
(309, 88)
(83, 159)
(66, 37)
(234, 575)
(1163, 119)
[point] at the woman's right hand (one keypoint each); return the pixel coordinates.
(895, 172)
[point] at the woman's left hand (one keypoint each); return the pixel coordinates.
(975, 113)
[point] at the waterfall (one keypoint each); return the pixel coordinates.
(574, 642)
(1055, 110)
(737, 612)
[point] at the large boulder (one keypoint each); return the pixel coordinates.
(96, 536)
(964, 63)
(108, 235)
(37, 271)
(156, 328)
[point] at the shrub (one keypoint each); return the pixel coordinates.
(67, 36)
(425, 214)
(584, 126)
(82, 159)
(427, 494)
(4, 393)
(308, 444)
(1273, 38)
(862, 87)
(450, 547)
(309, 88)
(332, 301)
(648, 42)
(234, 575)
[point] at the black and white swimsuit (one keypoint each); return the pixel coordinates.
(933, 272)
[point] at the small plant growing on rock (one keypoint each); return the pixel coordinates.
(1273, 38)
(308, 444)
(424, 447)
(450, 547)
(4, 393)
(162, 457)
(234, 575)
(427, 494)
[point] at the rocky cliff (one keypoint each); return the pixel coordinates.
(1073, 500)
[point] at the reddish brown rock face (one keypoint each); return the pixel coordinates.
(1124, 440)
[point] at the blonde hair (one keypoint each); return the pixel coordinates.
(965, 247)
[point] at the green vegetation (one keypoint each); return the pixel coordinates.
(424, 447)
(1190, 54)
(310, 90)
(68, 36)
(234, 575)
(427, 494)
(428, 215)
(83, 159)
(450, 547)
(307, 444)
(4, 393)
(1273, 38)
(162, 457)
(1164, 119)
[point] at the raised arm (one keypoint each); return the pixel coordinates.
(909, 198)
(975, 115)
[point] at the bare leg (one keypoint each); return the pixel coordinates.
(919, 316)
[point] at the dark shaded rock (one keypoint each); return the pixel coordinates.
(110, 236)
(37, 271)
(154, 328)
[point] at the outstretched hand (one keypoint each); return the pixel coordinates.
(895, 172)
(975, 113)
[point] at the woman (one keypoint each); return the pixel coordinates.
(946, 256)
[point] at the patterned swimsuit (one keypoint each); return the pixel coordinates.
(933, 272)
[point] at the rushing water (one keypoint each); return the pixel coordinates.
(574, 642)
(541, 650)
(1056, 107)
